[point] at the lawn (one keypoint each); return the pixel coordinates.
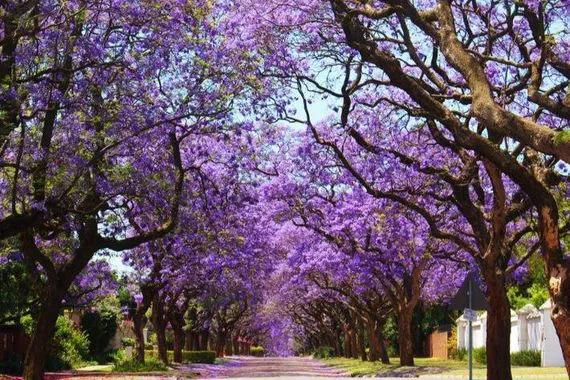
(435, 368)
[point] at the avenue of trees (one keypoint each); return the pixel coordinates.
(296, 173)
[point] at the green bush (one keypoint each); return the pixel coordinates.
(480, 355)
(100, 327)
(150, 365)
(257, 351)
(207, 357)
(127, 342)
(69, 347)
(527, 358)
(324, 352)
(12, 365)
(72, 345)
(460, 354)
(148, 346)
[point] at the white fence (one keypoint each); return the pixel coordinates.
(531, 329)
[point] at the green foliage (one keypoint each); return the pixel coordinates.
(534, 291)
(72, 345)
(526, 358)
(562, 137)
(16, 294)
(480, 355)
(12, 365)
(454, 352)
(150, 365)
(127, 342)
(69, 347)
(206, 357)
(257, 351)
(100, 327)
(148, 346)
(324, 352)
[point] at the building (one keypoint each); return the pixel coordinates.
(531, 329)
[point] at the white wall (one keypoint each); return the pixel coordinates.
(530, 330)
(551, 351)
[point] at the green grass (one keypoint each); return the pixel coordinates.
(433, 368)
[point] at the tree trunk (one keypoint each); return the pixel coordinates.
(228, 350)
(405, 337)
(374, 353)
(177, 322)
(353, 344)
(204, 339)
(178, 343)
(498, 327)
(361, 342)
(236, 345)
(220, 343)
(383, 351)
(159, 324)
(347, 345)
(558, 275)
(138, 330)
(44, 330)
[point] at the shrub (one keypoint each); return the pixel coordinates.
(100, 327)
(12, 365)
(127, 342)
(324, 352)
(148, 346)
(527, 358)
(257, 351)
(480, 355)
(453, 351)
(206, 357)
(150, 365)
(71, 345)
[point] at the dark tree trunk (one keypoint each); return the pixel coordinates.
(179, 339)
(44, 330)
(159, 324)
(228, 351)
(236, 345)
(347, 344)
(361, 341)
(177, 322)
(204, 339)
(498, 328)
(220, 343)
(138, 329)
(374, 353)
(139, 321)
(383, 351)
(405, 337)
(353, 344)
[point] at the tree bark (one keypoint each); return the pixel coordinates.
(159, 324)
(220, 343)
(558, 272)
(236, 345)
(405, 337)
(347, 344)
(383, 351)
(374, 353)
(179, 339)
(498, 327)
(361, 342)
(44, 330)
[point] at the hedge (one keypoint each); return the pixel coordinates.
(324, 352)
(527, 358)
(207, 357)
(257, 351)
